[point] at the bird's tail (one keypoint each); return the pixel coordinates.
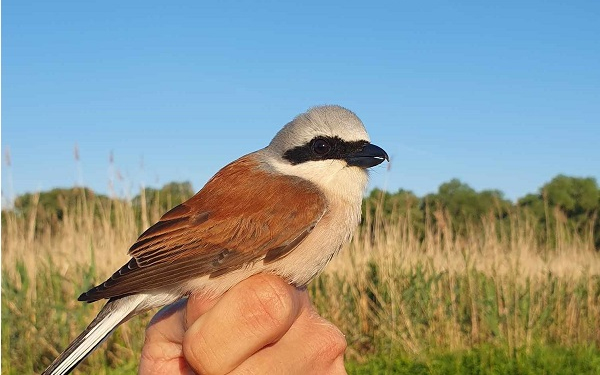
(110, 317)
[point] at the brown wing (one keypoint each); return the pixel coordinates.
(236, 219)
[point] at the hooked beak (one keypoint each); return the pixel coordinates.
(369, 156)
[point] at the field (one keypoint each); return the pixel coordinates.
(491, 299)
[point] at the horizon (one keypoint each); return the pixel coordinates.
(502, 97)
(133, 194)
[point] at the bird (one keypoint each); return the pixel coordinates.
(285, 209)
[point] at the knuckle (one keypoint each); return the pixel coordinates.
(337, 368)
(155, 337)
(271, 304)
(150, 332)
(198, 354)
(332, 343)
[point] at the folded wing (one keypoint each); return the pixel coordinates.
(242, 215)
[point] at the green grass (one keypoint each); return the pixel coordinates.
(487, 360)
(33, 329)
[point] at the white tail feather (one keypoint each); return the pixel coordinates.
(110, 317)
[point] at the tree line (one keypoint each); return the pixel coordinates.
(565, 201)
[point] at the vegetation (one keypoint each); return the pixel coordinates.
(454, 282)
(564, 201)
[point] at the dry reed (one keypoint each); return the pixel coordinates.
(390, 290)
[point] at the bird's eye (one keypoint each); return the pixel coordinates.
(321, 147)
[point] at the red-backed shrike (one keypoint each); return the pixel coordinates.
(286, 209)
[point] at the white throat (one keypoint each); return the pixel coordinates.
(339, 182)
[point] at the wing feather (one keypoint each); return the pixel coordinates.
(239, 217)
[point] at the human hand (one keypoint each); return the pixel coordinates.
(260, 326)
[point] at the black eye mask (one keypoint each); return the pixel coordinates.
(324, 148)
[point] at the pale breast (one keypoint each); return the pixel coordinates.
(343, 189)
(312, 255)
(331, 232)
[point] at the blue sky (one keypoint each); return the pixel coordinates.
(503, 95)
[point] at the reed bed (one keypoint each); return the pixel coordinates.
(395, 293)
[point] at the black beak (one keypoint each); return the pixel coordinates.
(369, 156)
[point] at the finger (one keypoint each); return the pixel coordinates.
(253, 314)
(311, 346)
(162, 352)
(168, 322)
(198, 305)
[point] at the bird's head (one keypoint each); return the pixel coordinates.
(327, 145)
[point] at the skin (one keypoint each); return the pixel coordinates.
(261, 326)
